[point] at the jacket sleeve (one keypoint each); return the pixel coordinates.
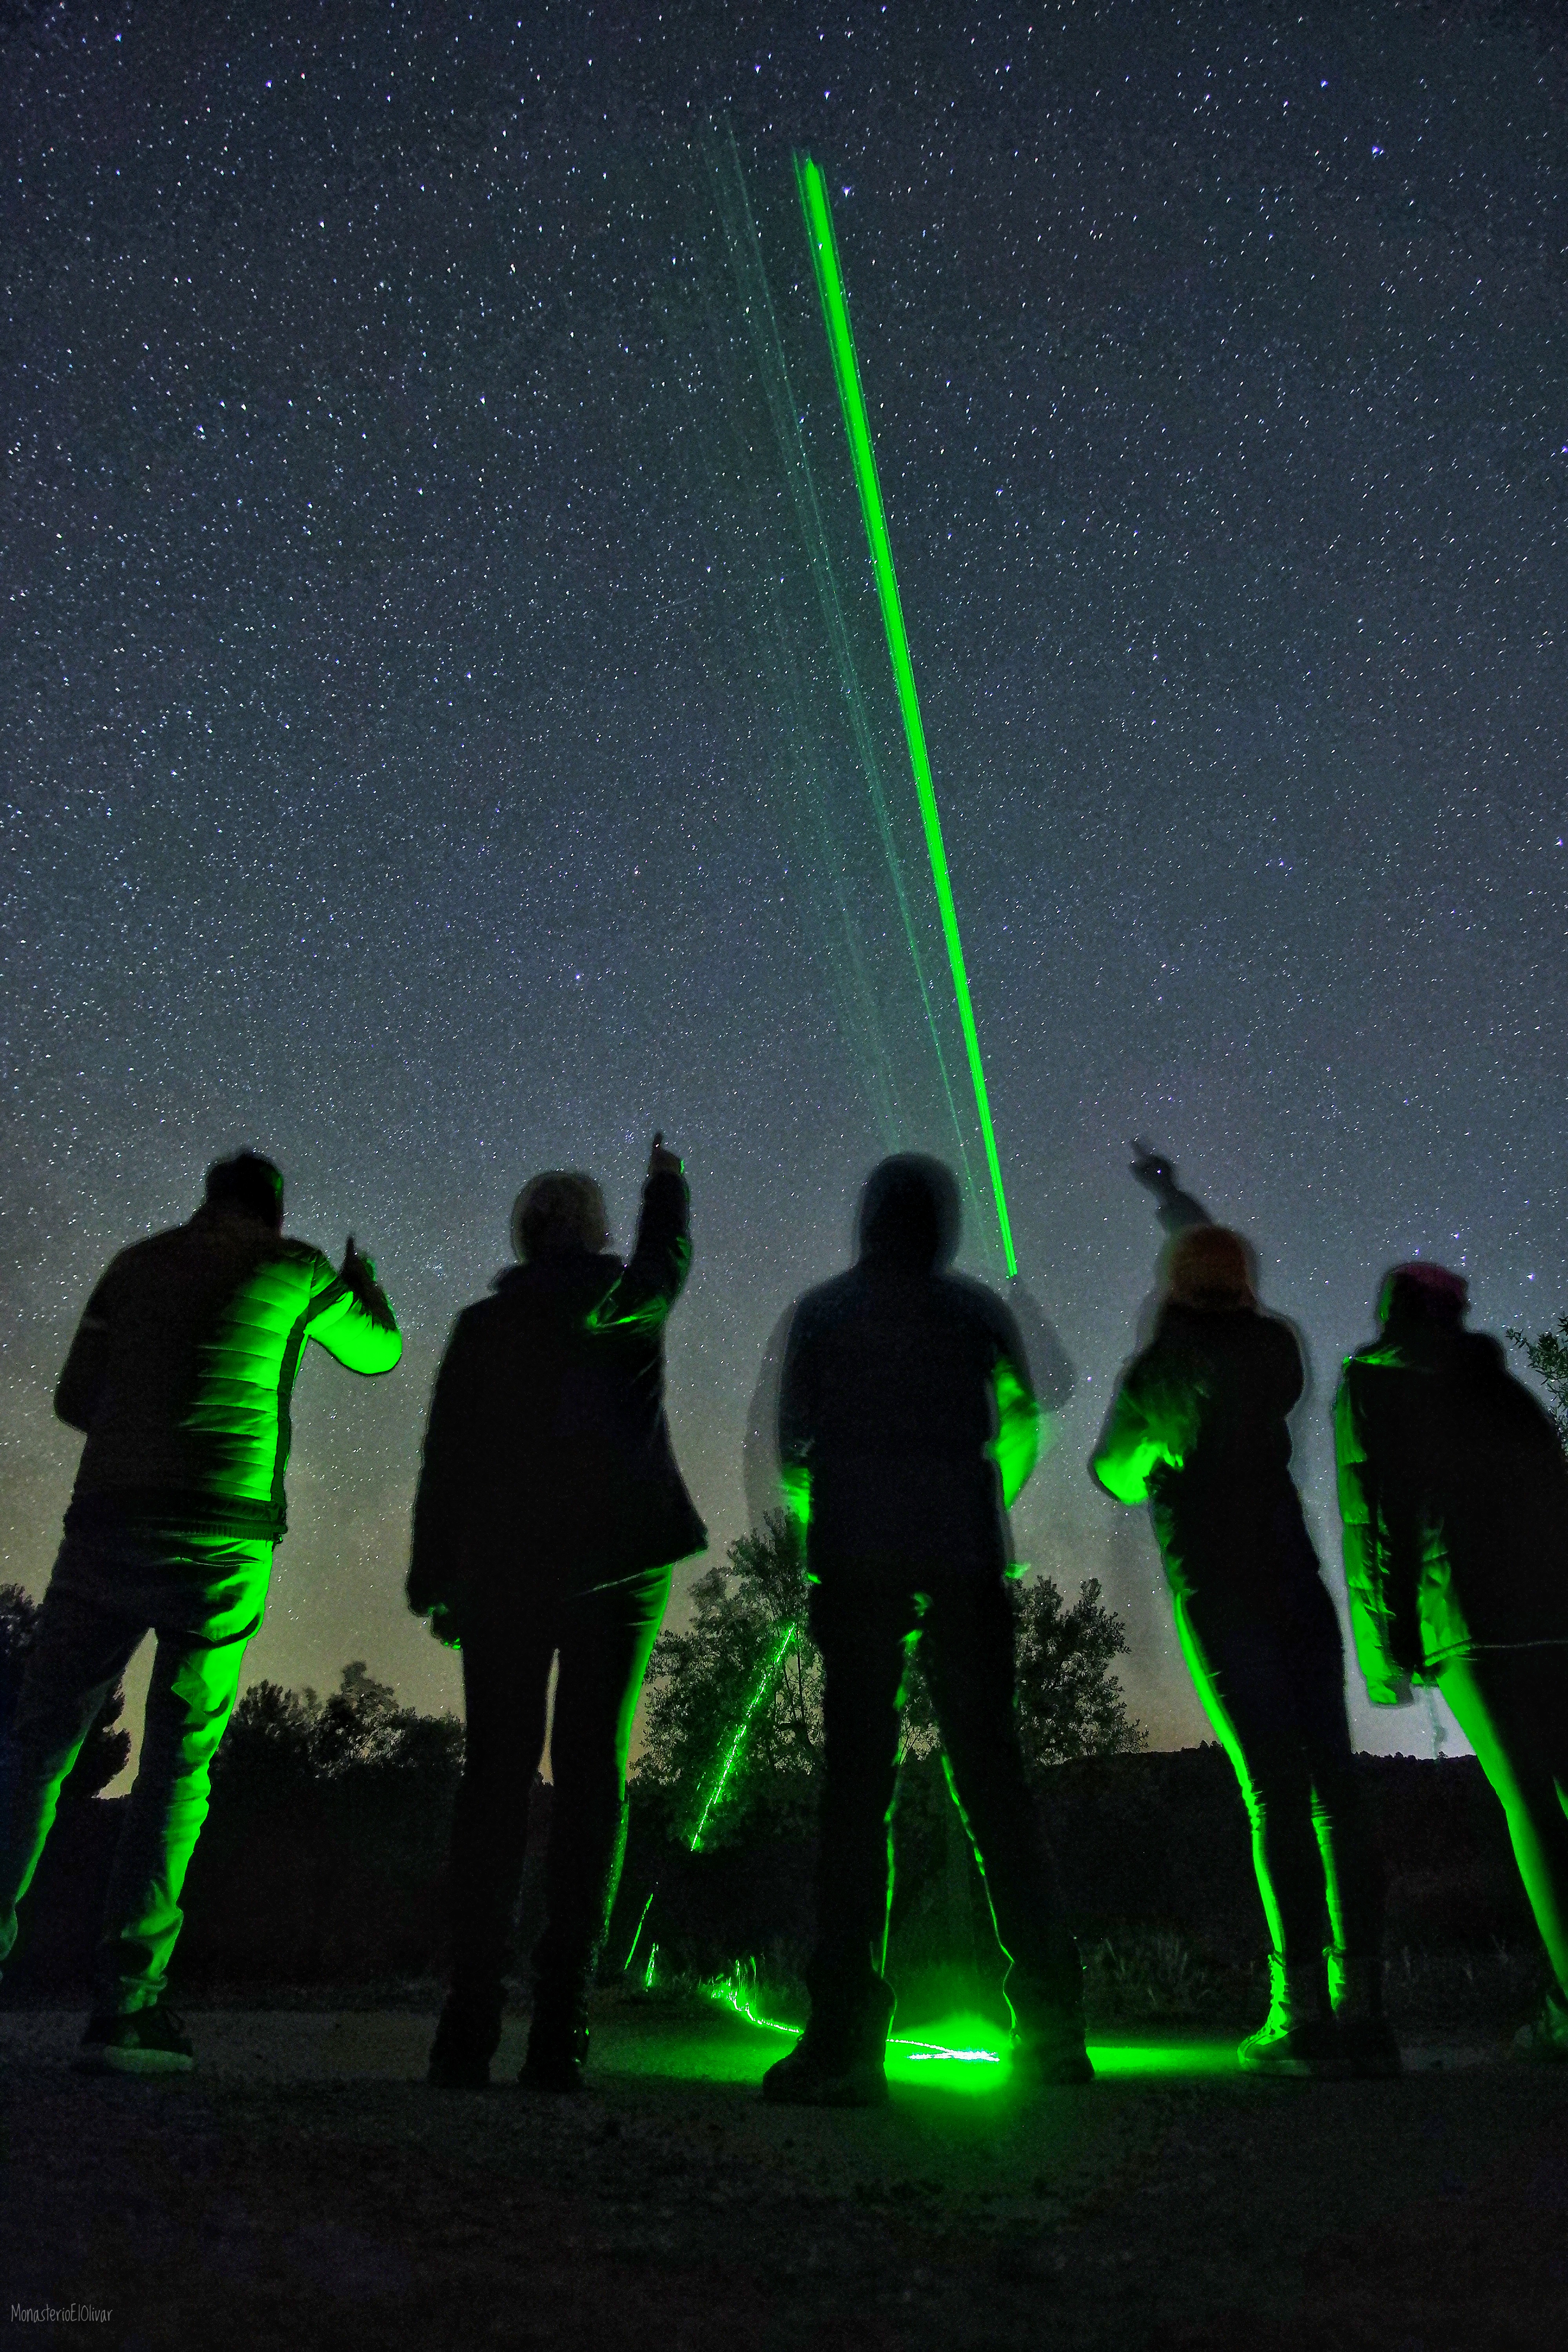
(439, 1552)
(1150, 1425)
(1372, 1572)
(1015, 1448)
(797, 1419)
(641, 1298)
(80, 1383)
(354, 1322)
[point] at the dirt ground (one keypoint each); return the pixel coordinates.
(304, 2186)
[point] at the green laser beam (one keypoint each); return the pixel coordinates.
(767, 1674)
(738, 222)
(851, 400)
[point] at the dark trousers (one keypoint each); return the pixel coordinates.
(866, 1623)
(1512, 1708)
(604, 1641)
(1274, 1688)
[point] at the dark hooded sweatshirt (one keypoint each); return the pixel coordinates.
(548, 1464)
(1454, 1496)
(1198, 1429)
(901, 1388)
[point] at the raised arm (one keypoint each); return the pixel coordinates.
(1176, 1210)
(353, 1320)
(1015, 1448)
(642, 1297)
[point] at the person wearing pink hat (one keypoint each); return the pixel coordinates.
(1453, 1495)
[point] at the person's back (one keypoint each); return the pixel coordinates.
(907, 1423)
(183, 1371)
(1201, 1427)
(906, 1399)
(1454, 1497)
(179, 1375)
(548, 1453)
(1466, 1478)
(549, 1513)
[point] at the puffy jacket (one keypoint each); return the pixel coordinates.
(1453, 1500)
(547, 1456)
(907, 1409)
(183, 1367)
(1198, 1429)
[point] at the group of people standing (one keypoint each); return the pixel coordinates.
(551, 1512)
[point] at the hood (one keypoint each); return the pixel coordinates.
(909, 1215)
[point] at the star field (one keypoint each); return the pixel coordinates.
(398, 771)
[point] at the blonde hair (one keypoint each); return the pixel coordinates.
(558, 1212)
(1210, 1266)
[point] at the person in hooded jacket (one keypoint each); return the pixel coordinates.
(1198, 1429)
(549, 1513)
(908, 1423)
(1454, 1497)
(180, 1376)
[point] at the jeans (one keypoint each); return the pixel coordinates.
(203, 1597)
(604, 1640)
(867, 1620)
(1273, 1686)
(1512, 1708)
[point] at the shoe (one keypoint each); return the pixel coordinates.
(840, 2061)
(1048, 2051)
(466, 2040)
(816, 2074)
(1544, 2041)
(557, 2060)
(149, 2040)
(456, 2073)
(1297, 2039)
(1365, 2037)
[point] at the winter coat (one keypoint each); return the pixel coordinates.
(181, 1370)
(1198, 1429)
(1454, 1497)
(906, 1401)
(547, 1457)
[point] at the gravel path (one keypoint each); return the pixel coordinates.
(305, 2187)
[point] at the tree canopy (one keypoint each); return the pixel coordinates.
(742, 1687)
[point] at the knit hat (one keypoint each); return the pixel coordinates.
(1210, 1266)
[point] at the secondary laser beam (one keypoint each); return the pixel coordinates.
(851, 400)
(766, 1676)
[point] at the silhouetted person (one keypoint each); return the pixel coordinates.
(1453, 1495)
(180, 1374)
(549, 1513)
(1198, 1429)
(906, 1424)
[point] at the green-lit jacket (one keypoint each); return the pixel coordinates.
(182, 1370)
(1453, 1500)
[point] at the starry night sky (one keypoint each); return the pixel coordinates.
(395, 565)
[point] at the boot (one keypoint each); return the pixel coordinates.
(1544, 2041)
(839, 2059)
(1365, 2037)
(1049, 2051)
(558, 2038)
(466, 2040)
(1296, 2038)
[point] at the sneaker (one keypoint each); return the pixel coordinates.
(1310, 2048)
(149, 2040)
(816, 2074)
(1544, 2041)
(1049, 2053)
